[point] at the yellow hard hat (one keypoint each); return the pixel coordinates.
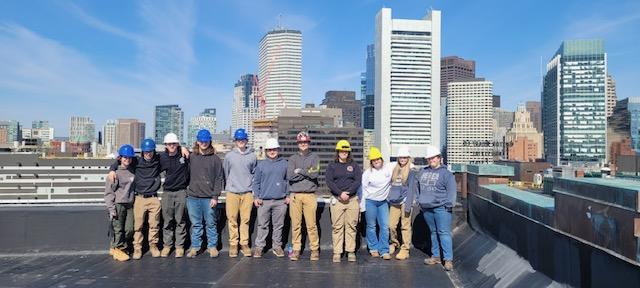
(374, 153)
(343, 145)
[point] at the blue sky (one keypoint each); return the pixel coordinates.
(118, 59)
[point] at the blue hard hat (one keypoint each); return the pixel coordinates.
(148, 145)
(204, 135)
(126, 150)
(240, 134)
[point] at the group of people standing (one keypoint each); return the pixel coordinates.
(194, 180)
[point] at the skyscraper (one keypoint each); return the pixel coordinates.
(206, 120)
(82, 130)
(39, 124)
(368, 101)
(470, 122)
(536, 115)
(574, 104)
(525, 142)
(612, 98)
(454, 68)
(345, 100)
(407, 104)
(129, 131)
(280, 70)
(12, 131)
(168, 118)
(109, 135)
(246, 104)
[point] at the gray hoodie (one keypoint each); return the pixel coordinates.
(119, 191)
(432, 188)
(238, 170)
(270, 181)
(306, 180)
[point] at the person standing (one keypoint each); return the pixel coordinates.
(270, 189)
(343, 177)
(397, 202)
(303, 180)
(118, 196)
(239, 166)
(435, 189)
(205, 185)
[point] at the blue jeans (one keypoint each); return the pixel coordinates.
(377, 211)
(439, 221)
(199, 209)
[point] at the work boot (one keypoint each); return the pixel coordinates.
(278, 252)
(336, 257)
(351, 257)
(403, 254)
(233, 251)
(179, 252)
(315, 255)
(137, 254)
(154, 251)
(392, 248)
(432, 260)
(386, 256)
(165, 252)
(246, 251)
(374, 254)
(213, 252)
(295, 255)
(120, 255)
(257, 253)
(448, 265)
(193, 252)
(111, 251)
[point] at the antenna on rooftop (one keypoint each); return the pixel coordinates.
(280, 21)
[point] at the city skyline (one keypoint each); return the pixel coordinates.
(84, 54)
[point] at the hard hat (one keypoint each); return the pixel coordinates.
(303, 137)
(148, 145)
(343, 145)
(432, 151)
(374, 153)
(126, 150)
(240, 135)
(204, 136)
(403, 151)
(272, 143)
(171, 138)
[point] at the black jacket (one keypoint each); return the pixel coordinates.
(177, 171)
(147, 180)
(206, 174)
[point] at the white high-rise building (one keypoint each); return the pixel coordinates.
(407, 83)
(82, 130)
(109, 132)
(470, 128)
(280, 70)
(246, 104)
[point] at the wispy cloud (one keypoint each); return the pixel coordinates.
(96, 23)
(599, 27)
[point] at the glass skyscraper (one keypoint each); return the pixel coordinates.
(168, 118)
(574, 104)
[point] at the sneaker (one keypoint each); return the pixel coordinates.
(257, 253)
(374, 254)
(213, 252)
(137, 254)
(278, 252)
(315, 255)
(165, 252)
(193, 252)
(246, 251)
(433, 260)
(403, 254)
(351, 257)
(179, 252)
(120, 255)
(392, 248)
(233, 251)
(295, 255)
(154, 251)
(336, 258)
(386, 256)
(448, 265)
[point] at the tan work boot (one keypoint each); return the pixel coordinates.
(257, 253)
(374, 254)
(246, 251)
(179, 252)
(336, 258)
(137, 254)
(315, 255)
(448, 265)
(386, 256)
(213, 252)
(193, 252)
(403, 254)
(432, 261)
(154, 251)
(295, 256)
(111, 251)
(165, 252)
(120, 255)
(351, 257)
(233, 251)
(392, 248)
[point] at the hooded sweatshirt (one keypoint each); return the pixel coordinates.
(306, 181)
(432, 188)
(343, 177)
(120, 191)
(270, 181)
(177, 171)
(239, 168)
(376, 183)
(147, 175)
(206, 175)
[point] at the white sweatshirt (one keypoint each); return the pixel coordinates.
(376, 184)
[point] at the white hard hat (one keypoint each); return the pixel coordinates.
(171, 138)
(403, 151)
(432, 151)
(272, 143)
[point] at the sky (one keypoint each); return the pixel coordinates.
(120, 58)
